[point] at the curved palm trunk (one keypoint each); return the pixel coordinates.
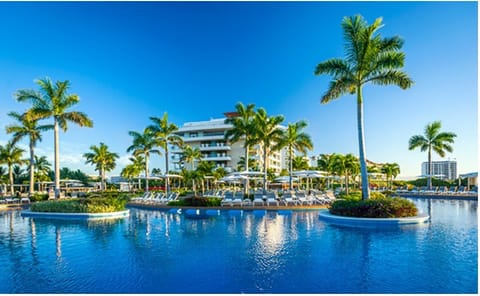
(56, 158)
(32, 170)
(102, 176)
(10, 177)
(361, 145)
(290, 168)
(429, 184)
(167, 181)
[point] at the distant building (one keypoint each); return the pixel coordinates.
(209, 137)
(443, 170)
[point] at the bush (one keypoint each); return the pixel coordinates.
(377, 207)
(197, 202)
(82, 205)
(38, 197)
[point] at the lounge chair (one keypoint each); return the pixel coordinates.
(258, 199)
(227, 199)
(272, 198)
(25, 200)
(289, 198)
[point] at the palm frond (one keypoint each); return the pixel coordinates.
(394, 77)
(338, 88)
(78, 118)
(335, 67)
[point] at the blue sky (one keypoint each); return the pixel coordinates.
(128, 61)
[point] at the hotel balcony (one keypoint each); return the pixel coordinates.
(217, 158)
(215, 148)
(203, 138)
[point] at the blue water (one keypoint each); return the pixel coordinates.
(235, 252)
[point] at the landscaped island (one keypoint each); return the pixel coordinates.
(82, 205)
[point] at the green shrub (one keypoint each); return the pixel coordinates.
(378, 207)
(82, 205)
(38, 197)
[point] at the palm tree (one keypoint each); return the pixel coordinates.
(18, 174)
(391, 171)
(252, 163)
(268, 134)
(434, 140)
(325, 163)
(52, 100)
(345, 165)
(133, 169)
(243, 128)
(205, 168)
(42, 168)
(191, 154)
(11, 155)
(27, 127)
(369, 59)
(299, 163)
(295, 140)
(103, 160)
(144, 144)
(165, 135)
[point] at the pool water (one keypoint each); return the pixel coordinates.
(240, 252)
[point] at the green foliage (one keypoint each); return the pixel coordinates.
(197, 202)
(375, 207)
(38, 197)
(82, 205)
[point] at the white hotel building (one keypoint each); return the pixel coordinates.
(209, 137)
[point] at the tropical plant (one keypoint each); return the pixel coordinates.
(164, 133)
(102, 159)
(190, 155)
(42, 168)
(325, 163)
(268, 135)
(11, 155)
(27, 127)
(252, 163)
(204, 169)
(345, 165)
(219, 173)
(299, 163)
(391, 171)
(144, 144)
(433, 139)
(295, 140)
(243, 128)
(369, 59)
(18, 174)
(52, 100)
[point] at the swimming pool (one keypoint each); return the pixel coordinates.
(234, 252)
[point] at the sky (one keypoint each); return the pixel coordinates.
(129, 61)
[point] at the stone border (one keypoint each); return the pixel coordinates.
(76, 216)
(372, 222)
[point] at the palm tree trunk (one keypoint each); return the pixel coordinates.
(146, 172)
(102, 177)
(193, 181)
(167, 181)
(246, 168)
(429, 184)
(32, 170)
(10, 177)
(346, 183)
(56, 158)
(264, 170)
(361, 145)
(290, 168)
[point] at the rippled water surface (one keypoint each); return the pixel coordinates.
(291, 252)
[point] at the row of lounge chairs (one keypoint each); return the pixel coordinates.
(441, 190)
(156, 198)
(15, 200)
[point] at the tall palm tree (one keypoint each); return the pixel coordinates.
(243, 128)
(27, 127)
(252, 163)
(42, 168)
(133, 169)
(11, 155)
(433, 139)
(103, 160)
(52, 100)
(369, 59)
(205, 168)
(144, 144)
(165, 135)
(268, 134)
(191, 154)
(295, 140)
(391, 171)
